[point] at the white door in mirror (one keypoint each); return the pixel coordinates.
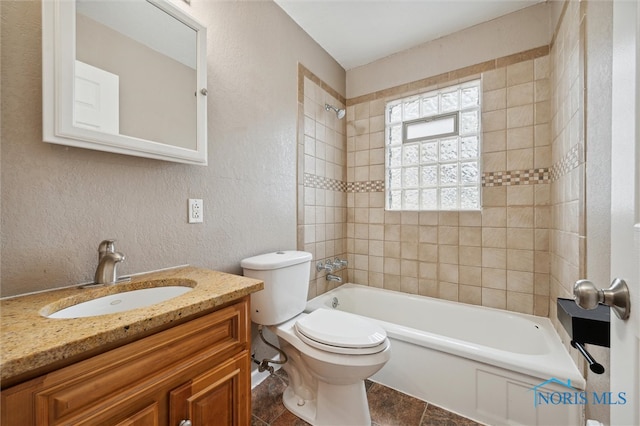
(96, 103)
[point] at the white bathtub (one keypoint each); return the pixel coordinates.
(482, 363)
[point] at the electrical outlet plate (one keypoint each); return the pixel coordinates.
(195, 211)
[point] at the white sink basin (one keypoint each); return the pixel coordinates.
(121, 302)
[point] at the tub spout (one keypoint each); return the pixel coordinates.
(331, 277)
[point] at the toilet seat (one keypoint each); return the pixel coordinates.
(341, 332)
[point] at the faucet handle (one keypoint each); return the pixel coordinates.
(326, 267)
(106, 273)
(106, 246)
(339, 263)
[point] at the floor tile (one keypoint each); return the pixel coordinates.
(388, 407)
(266, 399)
(257, 422)
(288, 419)
(436, 416)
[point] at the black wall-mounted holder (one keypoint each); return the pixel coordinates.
(585, 326)
(594, 366)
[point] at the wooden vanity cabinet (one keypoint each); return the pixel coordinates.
(197, 371)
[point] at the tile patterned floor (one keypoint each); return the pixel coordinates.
(387, 407)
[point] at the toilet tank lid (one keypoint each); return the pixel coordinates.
(275, 260)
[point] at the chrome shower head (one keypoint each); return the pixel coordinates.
(340, 113)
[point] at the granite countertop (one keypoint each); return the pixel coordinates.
(29, 342)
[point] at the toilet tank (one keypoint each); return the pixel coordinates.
(286, 284)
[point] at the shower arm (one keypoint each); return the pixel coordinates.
(340, 112)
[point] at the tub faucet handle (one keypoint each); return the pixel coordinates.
(340, 263)
(326, 267)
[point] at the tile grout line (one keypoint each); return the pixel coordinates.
(424, 413)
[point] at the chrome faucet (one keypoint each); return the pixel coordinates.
(331, 277)
(108, 259)
(326, 267)
(339, 263)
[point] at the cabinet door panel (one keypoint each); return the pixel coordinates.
(127, 414)
(214, 404)
(150, 416)
(216, 398)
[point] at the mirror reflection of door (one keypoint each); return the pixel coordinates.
(96, 105)
(154, 62)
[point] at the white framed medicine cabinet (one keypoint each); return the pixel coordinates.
(126, 77)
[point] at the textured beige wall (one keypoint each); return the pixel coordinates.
(507, 35)
(59, 202)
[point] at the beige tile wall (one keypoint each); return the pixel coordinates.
(322, 209)
(567, 233)
(511, 255)
(527, 246)
(497, 257)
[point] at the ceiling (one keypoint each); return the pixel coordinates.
(358, 32)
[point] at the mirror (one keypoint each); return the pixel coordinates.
(126, 77)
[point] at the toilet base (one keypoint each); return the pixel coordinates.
(334, 405)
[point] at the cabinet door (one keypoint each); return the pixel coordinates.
(221, 396)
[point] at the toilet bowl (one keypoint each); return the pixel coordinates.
(326, 378)
(329, 352)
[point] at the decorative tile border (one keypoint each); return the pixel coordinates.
(320, 182)
(366, 186)
(570, 161)
(490, 179)
(515, 177)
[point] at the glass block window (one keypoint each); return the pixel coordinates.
(433, 150)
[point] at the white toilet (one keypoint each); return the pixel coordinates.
(330, 352)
